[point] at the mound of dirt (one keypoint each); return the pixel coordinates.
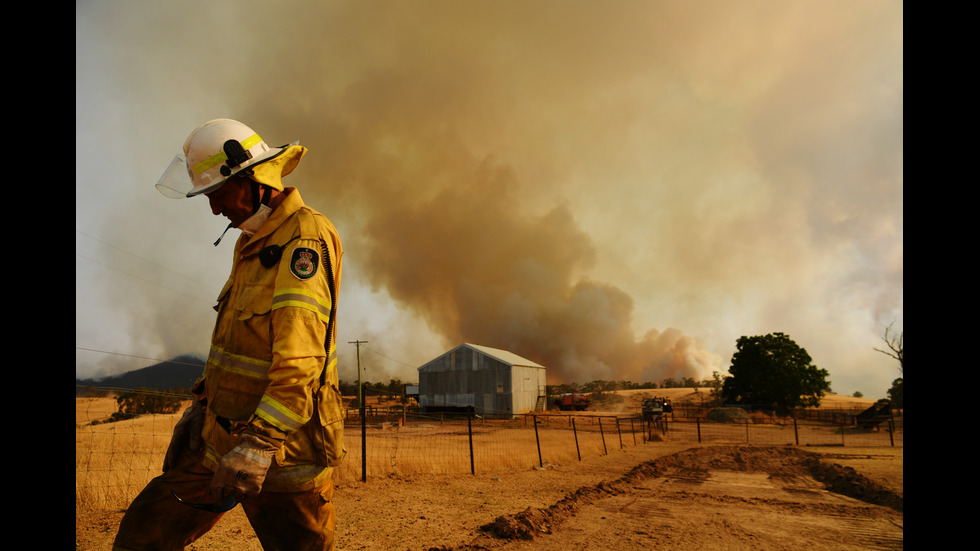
(846, 481)
(788, 461)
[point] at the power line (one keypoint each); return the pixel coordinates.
(151, 263)
(158, 269)
(386, 357)
(124, 251)
(138, 278)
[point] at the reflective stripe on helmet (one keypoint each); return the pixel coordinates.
(221, 156)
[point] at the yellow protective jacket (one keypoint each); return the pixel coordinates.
(272, 368)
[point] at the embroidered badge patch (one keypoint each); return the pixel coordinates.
(304, 262)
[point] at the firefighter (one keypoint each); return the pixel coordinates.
(265, 426)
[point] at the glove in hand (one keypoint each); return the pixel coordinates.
(242, 470)
(187, 434)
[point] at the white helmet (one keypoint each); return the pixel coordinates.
(213, 153)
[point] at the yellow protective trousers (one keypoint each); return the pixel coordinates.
(157, 521)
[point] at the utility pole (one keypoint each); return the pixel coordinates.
(360, 398)
(360, 402)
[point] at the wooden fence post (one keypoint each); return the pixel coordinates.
(469, 429)
(538, 440)
(575, 432)
(604, 450)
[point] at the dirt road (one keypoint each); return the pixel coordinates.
(663, 494)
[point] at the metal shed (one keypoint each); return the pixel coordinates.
(493, 382)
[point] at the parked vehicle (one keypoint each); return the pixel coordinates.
(573, 401)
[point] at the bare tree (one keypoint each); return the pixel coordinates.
(894, 342)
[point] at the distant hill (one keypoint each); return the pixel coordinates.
(178, 373)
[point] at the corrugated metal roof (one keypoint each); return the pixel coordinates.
(504, 356)
(507, 357)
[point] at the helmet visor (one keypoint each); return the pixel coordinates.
(176, 182)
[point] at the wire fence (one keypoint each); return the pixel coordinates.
(115, 460)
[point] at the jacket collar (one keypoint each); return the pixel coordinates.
(289, 205)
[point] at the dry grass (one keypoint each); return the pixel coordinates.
(113, 461)
(444, 448)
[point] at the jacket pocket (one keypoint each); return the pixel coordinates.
(254, 299)
(328, 435)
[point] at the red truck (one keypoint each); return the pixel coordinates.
(572, 401)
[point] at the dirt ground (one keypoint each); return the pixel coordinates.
(659, 493)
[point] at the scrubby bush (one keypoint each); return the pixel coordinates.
(728, 415)
(144, 401)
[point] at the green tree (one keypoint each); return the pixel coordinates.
(895, 394)
(598, 385)
(562, 388)
(716, 383)
(774, 371)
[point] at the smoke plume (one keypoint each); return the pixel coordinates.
(477, 268)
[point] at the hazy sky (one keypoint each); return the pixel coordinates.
(616, 190)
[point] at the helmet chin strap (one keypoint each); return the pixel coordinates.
(257, 201)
